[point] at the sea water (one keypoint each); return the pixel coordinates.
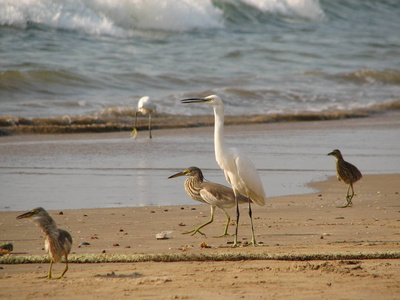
(66, 58)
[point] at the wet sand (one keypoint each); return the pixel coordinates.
(297, 225)
(73, 171)
(303, 225)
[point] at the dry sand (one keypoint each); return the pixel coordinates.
(299, 224)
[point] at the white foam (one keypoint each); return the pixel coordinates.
(112, 17)
(306, 9)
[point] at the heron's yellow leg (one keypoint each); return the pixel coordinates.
(228, 220)
(194, 231)
(348, 196)
(65, 269)
(51, 265)
(197, 230)
(352, 194)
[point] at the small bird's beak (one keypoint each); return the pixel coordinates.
(183, 173)
(194, 100)
(26, 215)
(331, 153)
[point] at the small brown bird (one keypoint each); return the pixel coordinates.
(58, 242)
(214, 194)
(347, 173)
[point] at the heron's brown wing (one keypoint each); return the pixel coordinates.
(219, 195)
(65, 239)
(348, 172)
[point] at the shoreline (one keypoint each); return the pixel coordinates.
(117, 119)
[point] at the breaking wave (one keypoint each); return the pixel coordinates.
(122, 17)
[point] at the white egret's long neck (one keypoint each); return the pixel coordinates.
(219, 141)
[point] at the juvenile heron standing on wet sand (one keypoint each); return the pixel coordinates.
(347, 173)
(239, 171)
(58, 242)
(146, 107)
(214, 194)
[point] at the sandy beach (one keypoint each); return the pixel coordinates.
(297, 225)
(310, 249)
(298, 79)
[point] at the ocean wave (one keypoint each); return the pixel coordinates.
(115, 18)
(114, 119)
(296, 9)
(362, 76)
(368, 76)
(41, 80)
(123, 18)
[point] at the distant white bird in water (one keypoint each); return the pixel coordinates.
(239, 170)
(146, 107)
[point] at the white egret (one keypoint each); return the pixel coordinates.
(146, 107)
(239, 170)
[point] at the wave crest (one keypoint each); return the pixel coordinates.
(116, 18)
(28, 81)
(123, 17)
(368, 76)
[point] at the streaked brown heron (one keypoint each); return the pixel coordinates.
(58, 242)
(146, 107)
(239, 171)
(347, 173)
(214, 194)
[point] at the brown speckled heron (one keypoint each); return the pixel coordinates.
(214, 194)
(347, 173)
(58, 242)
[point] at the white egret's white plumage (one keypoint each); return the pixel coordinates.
(239, 170)
(146, 107)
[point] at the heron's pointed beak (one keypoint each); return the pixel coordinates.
(183, 173)
(331, 153)
(194, 100)
(26, 215)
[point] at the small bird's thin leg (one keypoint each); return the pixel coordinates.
(150, 124)
(134, 131)
(348, 197)
(197, 230)
(228, 220)
(352, 194)
(66, 267)
(235, 243)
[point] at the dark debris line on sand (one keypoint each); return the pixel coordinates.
(102, 258)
